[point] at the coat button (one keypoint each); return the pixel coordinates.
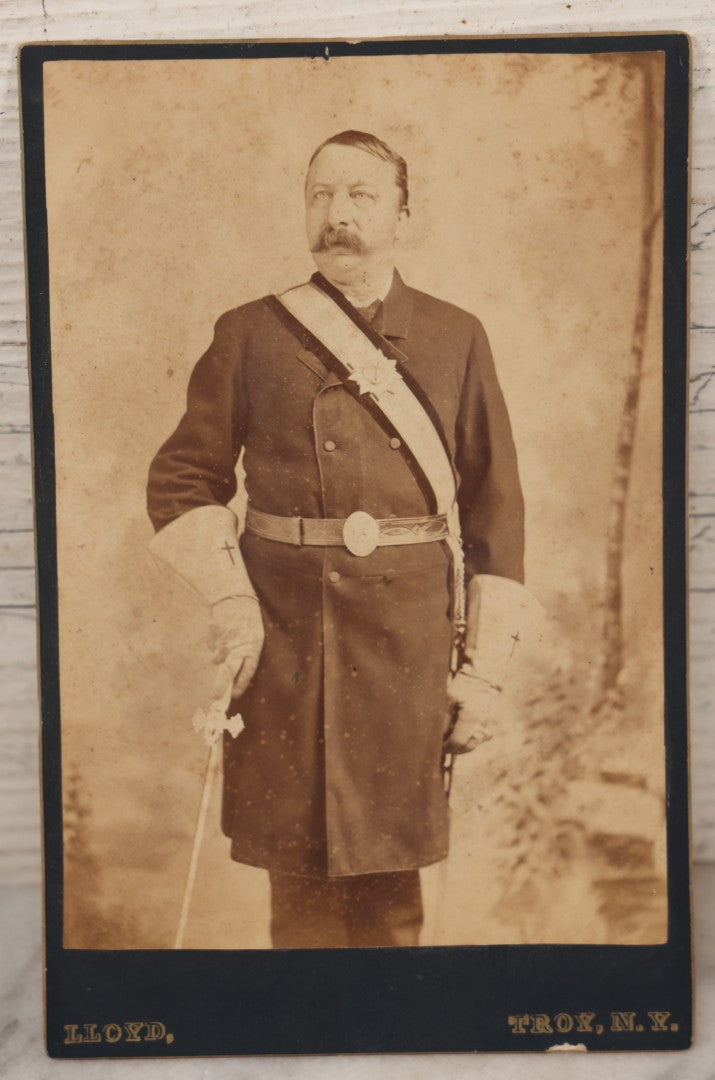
(389, 576)
(329, 445)
(334, 576)
(395, 443)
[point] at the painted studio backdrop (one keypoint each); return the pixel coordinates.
(175, 192)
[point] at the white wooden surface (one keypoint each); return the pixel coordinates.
(57, 20)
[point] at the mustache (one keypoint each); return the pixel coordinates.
(332, 236)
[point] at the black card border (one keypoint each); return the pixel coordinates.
(401, 1000)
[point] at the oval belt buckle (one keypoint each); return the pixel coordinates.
(361, 533)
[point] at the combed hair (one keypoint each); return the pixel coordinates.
(363, 140)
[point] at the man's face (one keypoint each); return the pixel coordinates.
(354, 211)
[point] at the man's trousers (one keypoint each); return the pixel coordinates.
(363, 911)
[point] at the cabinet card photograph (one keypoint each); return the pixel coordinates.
(358, 384)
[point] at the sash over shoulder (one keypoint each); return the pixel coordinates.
(358, 359)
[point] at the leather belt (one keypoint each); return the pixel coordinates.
(360, 533)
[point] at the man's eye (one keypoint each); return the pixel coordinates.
(320, 195)
(362, 195)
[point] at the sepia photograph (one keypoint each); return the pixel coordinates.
(357, 384)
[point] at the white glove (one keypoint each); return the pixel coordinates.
(479, 704)
(236, 639)
(504, 622)
(201, 547)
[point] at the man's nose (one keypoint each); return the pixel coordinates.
(340, 211)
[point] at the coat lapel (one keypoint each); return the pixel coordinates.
(327, 378)
(395, 314)
(311, 361)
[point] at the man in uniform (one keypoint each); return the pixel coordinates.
(374, 432)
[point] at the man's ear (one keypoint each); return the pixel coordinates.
(402, 222)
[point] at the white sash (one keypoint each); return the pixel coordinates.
(377, 375)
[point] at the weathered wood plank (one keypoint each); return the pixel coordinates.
(16, 481)
(17, 549)
(17, 587)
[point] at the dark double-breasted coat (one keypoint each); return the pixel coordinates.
(337, 770)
